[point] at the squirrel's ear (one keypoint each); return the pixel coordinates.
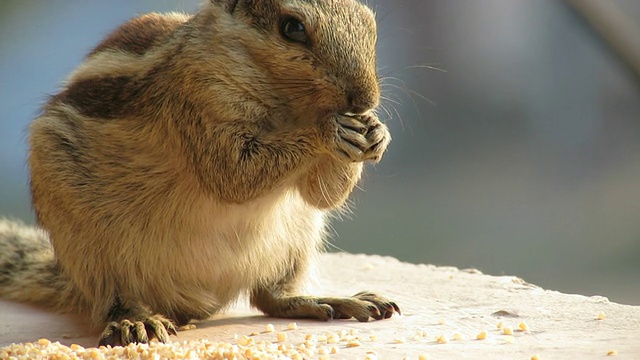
(229, 5)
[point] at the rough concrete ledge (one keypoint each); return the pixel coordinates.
(440, 301)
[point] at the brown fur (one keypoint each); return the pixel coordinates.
(192, 159)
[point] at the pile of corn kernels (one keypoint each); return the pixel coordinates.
(245, 347)
(320, 346)
(200, 349)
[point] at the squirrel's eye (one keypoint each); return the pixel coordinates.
(293, 30)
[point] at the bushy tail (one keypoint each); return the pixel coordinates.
(28, 269)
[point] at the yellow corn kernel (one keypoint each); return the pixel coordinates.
(441, 339)
(354, 343)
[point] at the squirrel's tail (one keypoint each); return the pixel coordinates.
(28, 269)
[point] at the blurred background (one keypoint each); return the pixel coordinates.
(516, 134)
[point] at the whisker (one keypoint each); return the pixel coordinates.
(389, 103)
(400, 119)
(410, 92)
(425, 66)
(422, 97)
(385, 110)
(386, 98)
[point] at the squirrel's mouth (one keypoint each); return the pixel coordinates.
(354, 114)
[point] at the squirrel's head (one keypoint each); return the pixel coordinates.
(310, 54)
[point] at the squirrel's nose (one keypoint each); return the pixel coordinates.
(359, 102)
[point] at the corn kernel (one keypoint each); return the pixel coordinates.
(601, 315)
(43, 342)
(76, 347)
(507, 330)
(482, 335)
(441, 339)
(354, 343)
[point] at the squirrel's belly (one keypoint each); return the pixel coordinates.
(228, 250)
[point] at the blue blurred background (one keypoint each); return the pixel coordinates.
(516, 134)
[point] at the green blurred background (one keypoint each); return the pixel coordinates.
(516, 134)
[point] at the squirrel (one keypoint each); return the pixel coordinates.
(191, 159)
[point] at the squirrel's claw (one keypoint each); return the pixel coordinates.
(126, 332)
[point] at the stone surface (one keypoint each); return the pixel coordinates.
(436, 300)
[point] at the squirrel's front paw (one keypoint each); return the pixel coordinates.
(126, 331)
(362, 306)
(360, 137)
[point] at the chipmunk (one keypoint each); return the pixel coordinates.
(193, 159)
